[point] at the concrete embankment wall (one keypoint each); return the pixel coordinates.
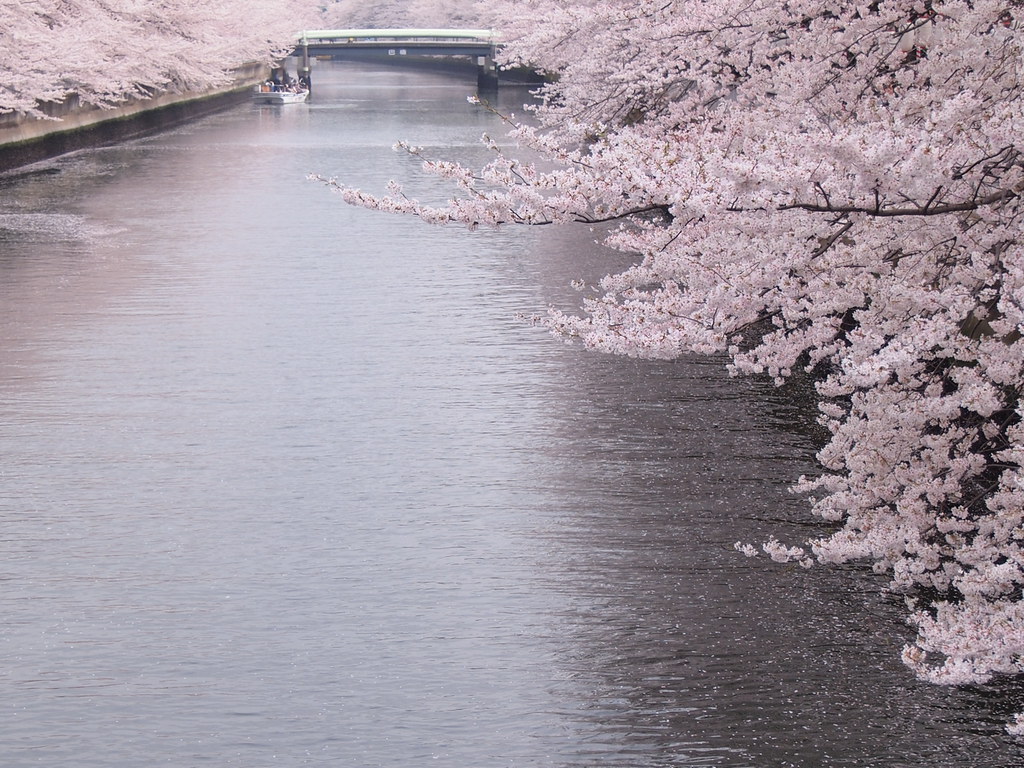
(26, 140)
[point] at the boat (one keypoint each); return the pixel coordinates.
(278, 94)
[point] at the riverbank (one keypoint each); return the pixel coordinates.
(25, 140)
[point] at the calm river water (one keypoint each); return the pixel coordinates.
(286, 483)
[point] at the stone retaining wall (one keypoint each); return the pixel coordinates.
(26, 140)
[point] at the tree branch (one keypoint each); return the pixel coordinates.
(1002, 196)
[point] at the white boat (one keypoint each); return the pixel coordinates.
(264, 94)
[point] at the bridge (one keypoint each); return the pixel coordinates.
(478, 45)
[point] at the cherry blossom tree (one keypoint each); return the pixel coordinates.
(821, 188)
(106, 51)
(354, 14)
(406, 13)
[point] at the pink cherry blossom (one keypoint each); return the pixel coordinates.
(829, 188)
(103, 53)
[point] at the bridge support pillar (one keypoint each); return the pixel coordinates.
(305, 72)
(486, 74)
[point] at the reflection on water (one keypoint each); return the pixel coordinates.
(285, 483)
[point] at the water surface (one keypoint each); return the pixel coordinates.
(287, 483)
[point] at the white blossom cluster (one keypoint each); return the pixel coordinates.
(813, 186)
(104, 52)
(405, 13)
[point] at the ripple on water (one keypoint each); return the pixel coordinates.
(285, 483)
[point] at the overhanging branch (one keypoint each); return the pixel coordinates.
(1003, 196)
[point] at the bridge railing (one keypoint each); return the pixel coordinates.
(356, 36)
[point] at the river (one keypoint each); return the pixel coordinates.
(287, 483)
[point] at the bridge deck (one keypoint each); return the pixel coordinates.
(397, 35)
(363, 44)
(412, 42)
